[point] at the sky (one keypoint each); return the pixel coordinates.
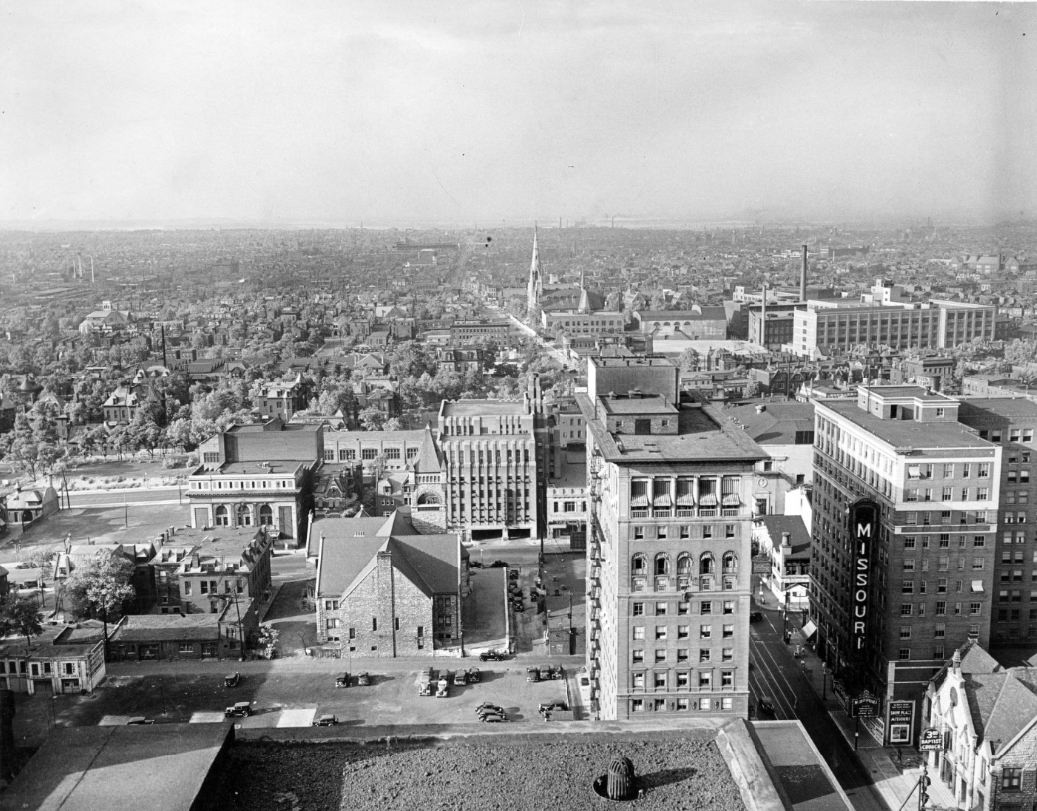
(487, 112)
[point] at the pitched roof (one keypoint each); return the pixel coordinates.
(428, 460)
(429, 561)
(1002, 704)
(777, 423)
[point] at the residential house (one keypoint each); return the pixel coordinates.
(61, 659)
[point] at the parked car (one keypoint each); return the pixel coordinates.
(233, 680)
(557, 672)
(492, 656)
(443, 687)
(518, 608)
(766, 704)
(551, 706)
(513, 574)
(532, 674)
(498, 564)
(325, 721)
(342, 680)
(474, 675)
(755, 616)
(545, 672)
(493, 718)
(242, 709)
(486, 706)
(460, 678)
(140, 720)
(363, 679)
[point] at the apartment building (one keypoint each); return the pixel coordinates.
(1012, 423)
(669, 555)
(904, 539)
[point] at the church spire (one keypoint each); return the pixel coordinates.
(535, 288)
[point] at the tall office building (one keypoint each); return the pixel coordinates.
(669, 570)
(1012, 423)
(905, 506)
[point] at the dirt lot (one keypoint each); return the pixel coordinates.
(684, 771)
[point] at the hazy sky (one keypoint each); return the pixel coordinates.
(485, 111)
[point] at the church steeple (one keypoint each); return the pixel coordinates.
(585, 300)
(535, 288)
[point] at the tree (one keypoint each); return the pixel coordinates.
(372, 419)
(22, 616)
(101, 587)
(268, 636)
(23, 449)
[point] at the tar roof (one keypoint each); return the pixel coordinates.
(703, 434)
(265, 468)
(1001, 406)
(776, 423)
(476, 408)
(909, 433)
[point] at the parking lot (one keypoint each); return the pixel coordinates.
(284, 693)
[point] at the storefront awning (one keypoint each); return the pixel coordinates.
(809, 629)
(977, 586)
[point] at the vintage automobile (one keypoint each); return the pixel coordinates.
(232, 680)
(342, 680)
(492, 656)
(363, 679)
(325, 721)
(241, 709)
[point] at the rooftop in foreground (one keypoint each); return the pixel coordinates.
(909, 433)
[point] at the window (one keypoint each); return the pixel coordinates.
(705, 680)
(941, 608)
(905, 631)
(637, 656)
(727, 678)
(660, 632)
(704, 655)
(728, 631)
(727, 654)
(637, 705)
(660, 656)
(705, 631)
(639, 632)
(682, 654)
(660, 681)
(660, 609)
(638, 680)
(729, 607)
(903, 654)
(638, 609)
(906, 609)
(1011, 778)
(683, 609)
(683, 631)
(683, 679)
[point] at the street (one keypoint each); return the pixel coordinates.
(778, 675)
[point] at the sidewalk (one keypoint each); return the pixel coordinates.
(895, 776)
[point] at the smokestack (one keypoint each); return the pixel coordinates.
(763, 318)
(803, 277)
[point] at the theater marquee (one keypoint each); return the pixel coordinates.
(864, 530)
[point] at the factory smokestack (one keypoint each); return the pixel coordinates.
(803, 277)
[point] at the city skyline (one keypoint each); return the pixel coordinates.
(494, 113)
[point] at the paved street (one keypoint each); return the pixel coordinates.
(779, 676)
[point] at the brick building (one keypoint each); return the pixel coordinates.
(669, 574)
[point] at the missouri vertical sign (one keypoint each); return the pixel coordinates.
(864, 530)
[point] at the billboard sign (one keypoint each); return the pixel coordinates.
(900, 721)
(864, 530)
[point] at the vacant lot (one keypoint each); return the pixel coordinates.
(684, 771)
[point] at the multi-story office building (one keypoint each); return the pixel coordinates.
(1012, 423)
(669, 552)
(488, 467)
(826, 326)
(897, 587)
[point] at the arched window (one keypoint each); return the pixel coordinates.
(662, 564)
(266, 516)
(244, 515)
(222, 517)
(637, 565)
(430, 499)
(684, 564)
(707, 564)
(730, 563)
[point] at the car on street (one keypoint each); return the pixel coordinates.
(492, 656)
(493, 717)
(140, 720)
(557, 672)
(755, 616)
(551, 706)
(532, 674)
(241, 709)
(486, 706)
(546, 672)
(473, 675)
(498, 564)
(513, 574)
(342, 680)
(325, 721)
(363, 679)
(766, 705)
(232, 680)
(461, 678)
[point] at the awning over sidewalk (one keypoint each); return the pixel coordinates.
(809, 629)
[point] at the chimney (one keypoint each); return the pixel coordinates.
(786, 539)
(803, 277)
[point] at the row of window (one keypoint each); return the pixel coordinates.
(911, 609)
(662, 532)
(662, 564)
(683, 632)
(908, 586)
(683, 608)
(947, 494)
(681, 704)
(943, 563)
(242, 515)
(944, 541)
(660, 655)
(238, 484)
(660, 680)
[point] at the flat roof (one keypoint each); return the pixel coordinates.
(1001, 406)
(703, 434)
(265, 468)
(645, 404)
(901, 433)
(161, 767)
(478, 408)
(918, 392)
